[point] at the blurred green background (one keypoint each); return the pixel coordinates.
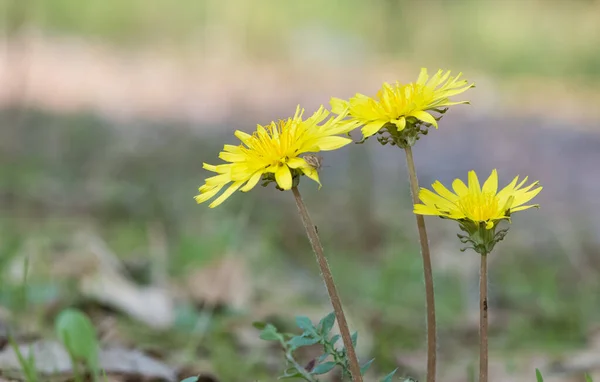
(110, 107)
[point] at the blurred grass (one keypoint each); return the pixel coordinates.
(508, 38)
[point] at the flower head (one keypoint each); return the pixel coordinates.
(397, 103)
(477, 204)
(273, 152)
(477, 209)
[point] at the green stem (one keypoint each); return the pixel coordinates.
(315, 242)
(300, 368)
(427, 270)
(483, 321)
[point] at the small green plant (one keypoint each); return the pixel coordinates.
(27, 364)
(78, 335)
(331, 358)
(539, 378)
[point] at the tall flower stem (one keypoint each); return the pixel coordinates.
(483, 321)
(427, 271)
(315, 242)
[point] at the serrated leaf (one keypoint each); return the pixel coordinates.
(269, 333)
(588, 378)
(78, 335)
(323, 368)
(388, 378)
(538, 375)
(326, 324)
(305, 324)
(190, 379)
(335, 339)
(300, 341)
(354, 339)
(260, 325)
(366, 366)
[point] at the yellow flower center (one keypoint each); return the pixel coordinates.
(480, 206)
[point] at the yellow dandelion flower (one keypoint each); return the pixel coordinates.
(274, 150)
(476, 204)
(395, 103)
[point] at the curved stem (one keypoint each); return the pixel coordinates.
(315, 242)
(483, 321)
(307, 376)
(427, 271)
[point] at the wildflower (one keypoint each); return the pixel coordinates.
(478, 209)
(399, 105)
(273, 153)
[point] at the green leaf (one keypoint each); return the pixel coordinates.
(354, 339)
(300, 341)
(334, 339)
(326, 324)
(366, 366)
(78, 335)
(588, 378)
(260, 325)
(305, 324)
(323, 357)
(291, 373)
(190, 379)
(388, 378)
(270, 333)
(323, 368)
(538, 375)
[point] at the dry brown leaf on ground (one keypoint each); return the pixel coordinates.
(53, 363)
(224, 282)
(104, 280)
(151, 305)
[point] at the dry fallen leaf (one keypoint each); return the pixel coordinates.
(53, 363)
(223, 282)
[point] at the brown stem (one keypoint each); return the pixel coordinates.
(483, 321)
(315, 242)
(427, 272)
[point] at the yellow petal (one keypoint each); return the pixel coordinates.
(232, 149)
(491, 184)
(297, 163)
(217, 179)
(400, 123)
(489, 224)
(432, 199)
(244, 137)
(331, 143)
(204, 196)
(230, 157)
(459, 187)
(443, 191)
(283, 176)
(521, 208)
(421, 209)
(372, 128)
(524, 198)
(422, 79)
(508, 189)
(234, 186)
(312, 174)
(338, 106)
(425, 117)
(474, 186)
(252, 182)
(209, 167)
